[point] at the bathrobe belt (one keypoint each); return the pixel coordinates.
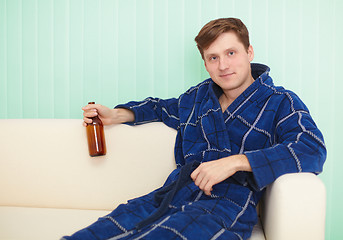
(165, 195)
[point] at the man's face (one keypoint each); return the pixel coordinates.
(228, 63)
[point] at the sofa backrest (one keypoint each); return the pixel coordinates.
(45, 163)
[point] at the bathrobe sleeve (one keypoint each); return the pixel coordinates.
(298, 145)
(154, 110)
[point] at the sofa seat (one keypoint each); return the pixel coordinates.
(43, 223)
(52, 223)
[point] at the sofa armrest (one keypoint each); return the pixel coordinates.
(294, 208)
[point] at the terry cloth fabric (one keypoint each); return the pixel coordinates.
(165, 195)
(269, 124)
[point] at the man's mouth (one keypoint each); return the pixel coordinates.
(226, 75)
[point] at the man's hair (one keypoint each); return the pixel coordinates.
(212, 30)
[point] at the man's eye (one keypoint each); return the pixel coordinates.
(213, 58)
(231, 53)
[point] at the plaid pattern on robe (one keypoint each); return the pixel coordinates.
(269, 124)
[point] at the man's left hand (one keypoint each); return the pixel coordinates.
(210, 173)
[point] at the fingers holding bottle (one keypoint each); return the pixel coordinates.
(93, 110)
(89, 111)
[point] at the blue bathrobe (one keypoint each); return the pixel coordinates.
(269, 124)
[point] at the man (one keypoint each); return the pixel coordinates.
(237, 133)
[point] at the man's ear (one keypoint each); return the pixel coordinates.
(250, 53)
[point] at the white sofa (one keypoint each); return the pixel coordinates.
(50, 186)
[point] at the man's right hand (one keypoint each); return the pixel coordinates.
(107, 115)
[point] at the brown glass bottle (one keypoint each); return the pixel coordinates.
(96, 137)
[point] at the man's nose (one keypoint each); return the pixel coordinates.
(224, 64)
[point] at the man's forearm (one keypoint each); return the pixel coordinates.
(124, 115)
(244, 164)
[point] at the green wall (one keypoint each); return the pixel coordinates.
(56, 55)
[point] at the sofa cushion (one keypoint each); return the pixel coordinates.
(18, 223)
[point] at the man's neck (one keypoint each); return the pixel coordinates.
(225, 101)
(228, 97)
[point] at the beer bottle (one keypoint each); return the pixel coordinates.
(96, 137)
